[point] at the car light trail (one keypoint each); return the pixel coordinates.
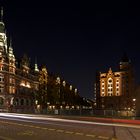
(14, 116)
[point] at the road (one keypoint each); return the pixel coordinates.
(41, 127)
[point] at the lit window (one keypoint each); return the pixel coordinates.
(11, 69)
(28, 85)
(1, 68)
(11, 89)
(11, 80)
(1, 78)
(1, 88)
(22, 83)
(110, 85)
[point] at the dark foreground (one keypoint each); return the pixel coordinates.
(39, 127)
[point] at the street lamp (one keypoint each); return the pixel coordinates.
(134, 106)
(36, 102)
(64, 83)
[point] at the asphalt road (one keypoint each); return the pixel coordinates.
(39, 127)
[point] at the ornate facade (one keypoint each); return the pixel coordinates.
(17, 81)
(23, 89)
(115, 90)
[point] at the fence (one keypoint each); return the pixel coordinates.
(88, 112)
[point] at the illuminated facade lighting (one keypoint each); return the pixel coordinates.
(115, 89)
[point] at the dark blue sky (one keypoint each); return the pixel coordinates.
(75, 39)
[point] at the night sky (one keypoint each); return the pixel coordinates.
(75, 39)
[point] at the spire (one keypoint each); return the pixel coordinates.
(36, 66)
(10, 45)
(2, 26)
(1, 14)
(11, 54)
(110, 70)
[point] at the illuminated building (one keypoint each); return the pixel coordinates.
(115, 90)
(23, 89)
(17, 81)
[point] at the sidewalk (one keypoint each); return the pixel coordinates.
(99, 119)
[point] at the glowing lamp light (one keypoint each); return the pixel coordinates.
(70, 87)
(22, 84)
(64, 83)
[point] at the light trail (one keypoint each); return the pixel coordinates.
(15, 116)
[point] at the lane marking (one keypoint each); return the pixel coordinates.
(103, 137)
(37, 127)
(61, 131)
(27, 133)
(69, 132)
(93, 136)
(57, 130)
(51, 129)
(79, 134)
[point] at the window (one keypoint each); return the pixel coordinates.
(11, 80)
(110, 86)
(1, 101)
(1, 78)
(11, 89)
(22, 102)
(1, 89)
(1, 68)
(12, 70)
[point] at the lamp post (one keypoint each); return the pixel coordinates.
(134, 106)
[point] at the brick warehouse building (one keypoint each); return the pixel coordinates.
(116, 90)
(17, 81)
(22, 88)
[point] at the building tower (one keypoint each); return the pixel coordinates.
(36, 66)
(3, 38)
(115, 90)
(11, 58)
(7, 68)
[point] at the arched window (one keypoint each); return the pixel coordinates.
(16, 102)
(110, 86)
(22, 102)
(27, 102)
(1, 101)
